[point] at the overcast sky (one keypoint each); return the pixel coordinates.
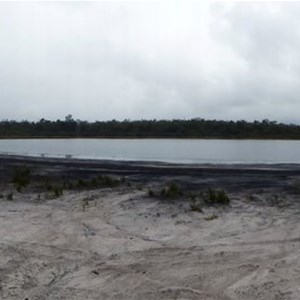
(134, 60)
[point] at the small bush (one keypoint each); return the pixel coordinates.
(213, 197)
(100, 181)
(171, 191)
(57, 191)
(108, 181)
(21, 177)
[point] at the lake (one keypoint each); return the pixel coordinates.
(164, 150)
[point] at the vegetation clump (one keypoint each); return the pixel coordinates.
(54, 191)
(213, 197)
(21, 177)
(108, 181)
(172, 191)
(54, 187)
(57, 191)
(101, 181)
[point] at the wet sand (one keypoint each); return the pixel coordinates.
(122, 243)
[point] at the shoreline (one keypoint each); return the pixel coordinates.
(147, 163)
(231, 177)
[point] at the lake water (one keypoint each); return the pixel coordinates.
(165, 150)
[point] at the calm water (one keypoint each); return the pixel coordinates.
(169, 150)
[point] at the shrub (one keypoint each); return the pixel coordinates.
(101, 181)
(21, 177)
(57, 191)
(171, 191)
(54, 192)
(108, 181)
(216, 197)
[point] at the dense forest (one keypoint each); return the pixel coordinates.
(193, 128)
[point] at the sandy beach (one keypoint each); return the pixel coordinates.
(108, 231)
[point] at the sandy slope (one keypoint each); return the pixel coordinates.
(122, 244)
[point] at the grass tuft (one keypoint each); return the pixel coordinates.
(172, 191)
(213, 197)
(21, 177)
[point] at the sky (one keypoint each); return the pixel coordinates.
(150, 60)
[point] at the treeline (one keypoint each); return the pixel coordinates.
(193, 128)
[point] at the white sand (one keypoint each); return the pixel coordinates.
(121, 244)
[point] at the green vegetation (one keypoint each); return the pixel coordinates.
(213, 197)
(55, 187)
(193, 128)
(21, 177)
(101, 181)
(171, 191)
(57, 191)
(108, 181)
(53, 191)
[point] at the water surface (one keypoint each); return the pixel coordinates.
(165, 150)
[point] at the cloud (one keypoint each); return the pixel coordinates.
(117, 60)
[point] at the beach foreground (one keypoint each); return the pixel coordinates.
(104, 230)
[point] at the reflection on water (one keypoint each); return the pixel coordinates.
(168, 150)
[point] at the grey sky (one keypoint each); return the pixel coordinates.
(134, 60)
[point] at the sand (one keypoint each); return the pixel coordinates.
(120, 243)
